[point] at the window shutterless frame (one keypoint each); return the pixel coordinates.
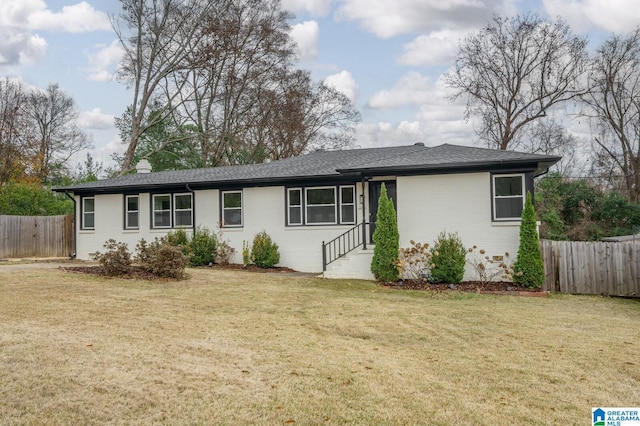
(321, 205)
(508, 192)
(88, 213)
(348, 204)
(182, 210)
(294, 207)
(131, 211)
(161, 210)
(231, 209)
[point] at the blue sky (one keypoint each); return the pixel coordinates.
(386, 55)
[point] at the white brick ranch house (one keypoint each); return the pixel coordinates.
(319, 206)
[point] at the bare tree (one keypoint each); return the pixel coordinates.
(57, 136)
(549, 137)
(613, 104)
(14, 131)
(298, 116)
(513, 71)
(247, 48)
(155, 36)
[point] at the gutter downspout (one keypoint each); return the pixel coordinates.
(75, 234)
(193, 206)
(364, 216)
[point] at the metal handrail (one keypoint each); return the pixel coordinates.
(344, 243)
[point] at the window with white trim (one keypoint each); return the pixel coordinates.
(88, 213)
(320, 205)
(508, 196)
(348, 204)
(132, 211)
(294, 206)
(182, 210)
(161, 210)
(232, 208)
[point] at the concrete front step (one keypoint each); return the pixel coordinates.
(356, 264)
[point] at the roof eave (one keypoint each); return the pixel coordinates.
(540, 165)
(199, 184)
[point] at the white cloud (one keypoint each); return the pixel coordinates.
(95, 119)
(413, 88)
(344, 83)
(438, 47)
(19, 45)
(314, 7)
(612, 15)
(20, 48)
(35, 15)
(371, 135)
(102, 63)
(78, 18)
(435, 120)
(390, 18)
(305, 35)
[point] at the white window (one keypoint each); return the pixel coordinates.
(232, 208)
(508, 196)
(320, 205)
(294, 202)
(161, 210)
(347, 204)
(88, 213)
(183, 210)
(132, 211)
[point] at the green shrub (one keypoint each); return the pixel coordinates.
(117, 259)
(386, 239)
(202, 247)
(161, 258)
(264, 251)
(246, 253)
(528, 271)
(448, 259)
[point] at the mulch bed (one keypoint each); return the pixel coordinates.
(139, 273)
(493, 287)
(502, 288)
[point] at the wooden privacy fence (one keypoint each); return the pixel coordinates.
(592, 267)
(36, 236)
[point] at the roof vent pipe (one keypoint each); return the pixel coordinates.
(143, 166)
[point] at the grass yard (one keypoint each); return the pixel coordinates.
(228, 347)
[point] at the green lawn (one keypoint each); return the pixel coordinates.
(240, 348)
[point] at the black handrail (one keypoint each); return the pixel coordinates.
(345, 243)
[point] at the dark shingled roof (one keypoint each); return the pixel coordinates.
(327, 164)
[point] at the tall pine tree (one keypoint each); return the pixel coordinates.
(386, 239)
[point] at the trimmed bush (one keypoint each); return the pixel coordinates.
(528, 271)
(117, 259)
(264, 251)
(448, 259)
(386, 239)
(162, 258)
(203, 245)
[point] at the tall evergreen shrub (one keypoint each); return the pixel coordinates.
(386, 239)
(528, 271)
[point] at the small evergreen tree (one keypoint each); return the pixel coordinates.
(386, 239)
(448, 259)
(528, 270)
(264, 252)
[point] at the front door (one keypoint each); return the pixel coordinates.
(374, 196)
